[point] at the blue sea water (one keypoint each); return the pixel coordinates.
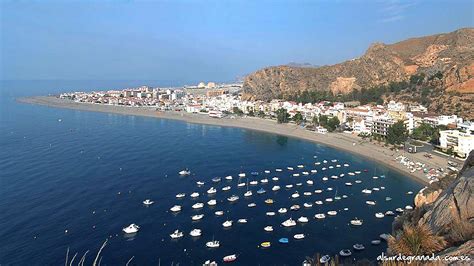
(89, 173)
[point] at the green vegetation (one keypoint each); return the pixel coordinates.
(397, 133)
(261, 114)
(282, 116)
(251, 113)
(423, 132)
(237, 111)
(415, 240)
(298, 118)
(328, 123)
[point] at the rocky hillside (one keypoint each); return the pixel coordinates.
(448, 57)
(448, 210)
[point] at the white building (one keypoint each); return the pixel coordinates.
(460, 142)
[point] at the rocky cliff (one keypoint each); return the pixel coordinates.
(450, 57)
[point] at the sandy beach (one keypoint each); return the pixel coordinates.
(342, 141)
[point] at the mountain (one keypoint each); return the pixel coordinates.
(439, 68)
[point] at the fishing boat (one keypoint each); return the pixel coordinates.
(261, 191)
(275, 188)
(289, 186)
(289, 223)
(265, 244)
(314, 171)
(148, 202)
(229, 177)
(200, 183)
(268, 228)
(270, 213)
(131, 229)
(184, 172)
(226, 188)
(358, 247)
(331, 167)
(275, 178)
(282, 210)
(176, 234)
(408, 207)
(376, 189)
(230, 258)
(290, 168)
(212, 202)
(320, 216)
(242, 221)
(295, 207)
(198, 205)
(213, 244)
(248, 193)
(357, 172)
(305, 173)
(216, 179)
(307, 205)
(366, 191)
(356, 222)
(346, 165)
(334, 177)
(370, 202)
(233, 198)
(328, 200)
(180, 195)
(295, 195)
(300, 166)
(264, 181)
(195, 232)
(219, 213)
(194, 195)
(345, 253)
(318, 191)
(197, 217)
(399, 210)
(269, 201)
(310, 182)
(251, 205)
(332, 213)
(212, 190)
(375, 242)
(388, 198)
(227, 223)
(358, 181)
(303, 219)
(283, 240)
(318, 202)
(324, 259)
(299, 236)
(175, 208)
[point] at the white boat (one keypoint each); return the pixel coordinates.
(296, 175)
(242, 175)
(305, 173)
(227, 223)
(278, 170)
(275, 188)
(345, 253)
(251, 205)
(248, 193)
(320, 216)
(275, 178)
(389, 213)
(314, 171)
(197, 217)
(332, 213)
(200, 183)
(334, 177)
(382, 188)
(356, 222)
(375, 189)
(409, 192)
(180, 195)
(295, 195)
(328, 200)
(289, 186)
(219, 213)
(198, 205)
(241, 185)
(176, 234)
(184, 172)
(308, 205)
(299, 236)
(233, 198)
(318, 202)
(226, 188)
(375, 177)
(325, 161)
(175, 208)
(366, 191)
(212, 190)
(333, 160)
(229, 177)
(370, 202)
(264, 181)
(346, 165)
(348, 184)
(212, 202)
(282, 210)
(300, 166)
(318, 191)
(344, 196)
(331, 167)
(254, 182)
(399, 210)
(351, 173)
(379, 215)
(358, 247)
(375, 242)
(148, 202)
(195, 232)
(303, 219)
(290, 168)
(310, 182)
(266, 171)
(358, 181)
(230, 258)
(289, 223)
(295, 207)
(408, 207)
(384, 236)
(325, 178)
(324, 259)
(194, 195)
(317, 163)
(268, 228)
(213, 244)
(131, 229)
(242, 221)
(357, 172)
(270, 213)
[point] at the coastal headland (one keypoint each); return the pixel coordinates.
(342, 141)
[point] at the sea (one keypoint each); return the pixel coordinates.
(71, 180)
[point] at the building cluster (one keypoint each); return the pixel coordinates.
(220, 100)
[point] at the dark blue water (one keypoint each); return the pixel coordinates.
(67, 175)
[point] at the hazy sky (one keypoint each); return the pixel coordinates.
(203, 40)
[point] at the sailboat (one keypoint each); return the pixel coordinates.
(249, 192)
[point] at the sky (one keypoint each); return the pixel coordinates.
(188, 41)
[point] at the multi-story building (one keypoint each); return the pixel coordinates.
(380, 126)
(460, 142)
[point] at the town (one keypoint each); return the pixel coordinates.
(392, 122)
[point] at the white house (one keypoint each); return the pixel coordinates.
(461, 143)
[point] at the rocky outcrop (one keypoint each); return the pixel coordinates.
(423, 197)
(450, 55)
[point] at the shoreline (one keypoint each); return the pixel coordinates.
(341, 141)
